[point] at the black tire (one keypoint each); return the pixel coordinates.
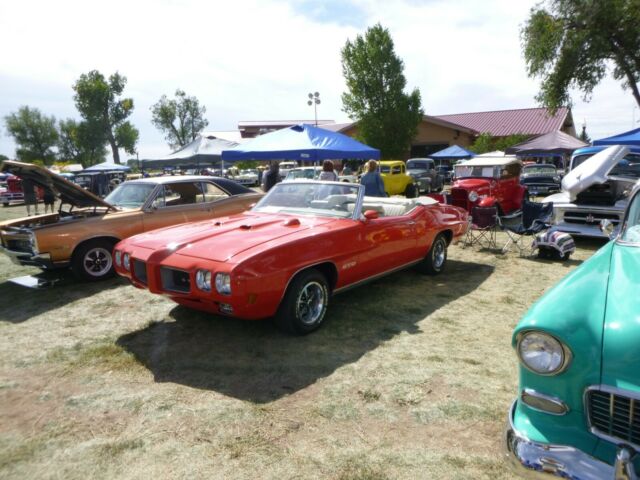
(5, 204)
(92, 261)
(436, 258)
(294, 314)
(410, 191)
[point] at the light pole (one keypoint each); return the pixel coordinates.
(314, 99)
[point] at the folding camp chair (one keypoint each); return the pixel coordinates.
(534, 219)
(483, 223)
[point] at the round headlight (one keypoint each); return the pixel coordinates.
(203, 280)
(223, 283)
(118, 257)
(126, 261)
(541, 353)
(556, 178)
(473, 196)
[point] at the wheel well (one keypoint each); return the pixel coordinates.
(113, 240)
(328, 269)
(448, 235)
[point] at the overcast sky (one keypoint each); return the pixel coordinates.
(258, 59)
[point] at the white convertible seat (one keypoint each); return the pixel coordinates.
(393, 206)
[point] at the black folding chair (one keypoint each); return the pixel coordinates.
(483, 223)
(535, 218)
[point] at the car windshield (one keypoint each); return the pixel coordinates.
(631, 229)
(490, 171)
(539, 169)
(413, 165)
(629, 166)
(306, 198)
(307, 173)
(130, 195)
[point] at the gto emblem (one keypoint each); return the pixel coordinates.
(348, 265)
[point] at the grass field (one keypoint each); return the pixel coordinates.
(410, 377)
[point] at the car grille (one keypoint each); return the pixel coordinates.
(614, 415)
(19, 245)
(589, 218)
(140, 271)
(174, 280)
(459, 197)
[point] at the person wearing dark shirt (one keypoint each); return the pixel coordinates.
(272, 176)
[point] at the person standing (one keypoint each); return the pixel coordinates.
(328, 173)
(272, 176)
(30, 198)
(49, 199)
(372, 181)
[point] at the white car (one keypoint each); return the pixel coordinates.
(285, 167)
(303, 173)
(595, 189)
(248, 177)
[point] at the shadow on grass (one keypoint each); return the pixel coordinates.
(253, 361)
(19, 303)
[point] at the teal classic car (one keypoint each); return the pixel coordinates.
(577, 414)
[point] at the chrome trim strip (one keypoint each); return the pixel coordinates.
(555, 400)
(376, 276)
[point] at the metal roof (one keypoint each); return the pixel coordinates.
(501, 123)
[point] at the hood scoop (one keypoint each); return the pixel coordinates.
(291, 222)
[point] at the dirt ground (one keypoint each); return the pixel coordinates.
(410, 377)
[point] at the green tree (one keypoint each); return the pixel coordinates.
(387, 117)
(81, 142)
(572, 43)
(34, 133)
(583, 135)
(486, 143)
(100, 104)
(3, 157)
(180, 118)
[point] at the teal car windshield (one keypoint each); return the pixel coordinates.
(631, 232)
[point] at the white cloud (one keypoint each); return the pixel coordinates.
(256, 59)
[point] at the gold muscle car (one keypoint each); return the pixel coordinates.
(81, 235)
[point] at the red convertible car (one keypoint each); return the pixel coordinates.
(303, 242)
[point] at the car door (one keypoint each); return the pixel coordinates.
(218, 203)
(396, 180)
(176, 202)
(387, 243)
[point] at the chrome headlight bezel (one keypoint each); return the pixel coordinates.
(33, 242)
(126, 262)
(223, 283)
(203, 280)
(473, 196)
(559, 349)
(117, 257)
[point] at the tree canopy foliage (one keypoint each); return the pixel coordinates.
(387, 117)
(572, 44)
(34, 133)
(100, 104)
(81, 142)
(180, 118)
(486, 143)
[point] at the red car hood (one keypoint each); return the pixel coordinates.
(471, 183)
(222, 239)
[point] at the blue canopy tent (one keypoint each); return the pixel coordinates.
(454, 152)
(632, 137)
(107, 167)
(301, 142)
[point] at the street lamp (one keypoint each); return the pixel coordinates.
(314, 99)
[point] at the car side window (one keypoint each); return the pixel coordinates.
(395, 170)
(211, 193)
(180, 193)
(159, 201)
(631, 231)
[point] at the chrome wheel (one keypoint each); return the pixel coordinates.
(311, 302)
(439, 254)
(97, 261)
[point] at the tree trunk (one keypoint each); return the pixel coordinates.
(114, 149)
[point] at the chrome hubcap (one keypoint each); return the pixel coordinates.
(438, 254)
(310, 303)
(97, 261)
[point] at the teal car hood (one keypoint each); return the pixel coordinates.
(621, 346)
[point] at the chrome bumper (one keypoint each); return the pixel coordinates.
(537, 460)
(41, 260)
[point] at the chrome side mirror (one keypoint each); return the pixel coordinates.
(608, 228)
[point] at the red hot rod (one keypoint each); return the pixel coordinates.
(303, 242)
